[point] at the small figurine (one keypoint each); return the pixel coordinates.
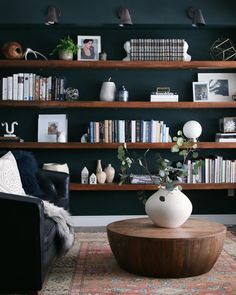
(84, 175)
(127, 48)
(93, 179)
(9, 133)
(102, 56)
(71, 94)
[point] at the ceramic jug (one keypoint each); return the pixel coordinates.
(108, 91)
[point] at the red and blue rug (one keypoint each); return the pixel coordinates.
(91, 269)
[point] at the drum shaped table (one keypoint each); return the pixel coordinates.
(144, 249)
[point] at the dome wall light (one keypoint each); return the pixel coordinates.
(53, 15)
(124, 16)
(196, 16)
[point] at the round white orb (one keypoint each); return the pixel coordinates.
(192, 129)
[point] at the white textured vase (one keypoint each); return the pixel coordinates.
(110, 173)
(101, 176)
(168, 209)
(108, 91)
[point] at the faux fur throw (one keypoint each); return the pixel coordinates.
(64, 225)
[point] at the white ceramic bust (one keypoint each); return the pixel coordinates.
(127, 49)
(187, 57)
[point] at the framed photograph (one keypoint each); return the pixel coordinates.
(221, 85)
(89, 47)
(200, 91)
(50, 126)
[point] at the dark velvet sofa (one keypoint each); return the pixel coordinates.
(29, 241)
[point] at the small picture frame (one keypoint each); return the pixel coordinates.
(200, 91)
(50, 126)
(89, 47)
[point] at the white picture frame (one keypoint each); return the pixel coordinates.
(50, 125)
(221, 85)
(89, 47)
(200, 91)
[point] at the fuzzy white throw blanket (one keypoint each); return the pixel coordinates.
(65, 227)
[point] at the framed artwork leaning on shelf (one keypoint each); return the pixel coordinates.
(200, 91)
(51, 126)
(89, 47)
(221, 85)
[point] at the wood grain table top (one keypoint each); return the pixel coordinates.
(193, 228)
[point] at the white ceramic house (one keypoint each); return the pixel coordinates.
(84, 176)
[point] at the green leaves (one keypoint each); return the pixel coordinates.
(166, 173)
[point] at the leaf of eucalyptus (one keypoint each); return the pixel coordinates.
(179, 133)
(195, 155)
(175, 148)
(180, 141)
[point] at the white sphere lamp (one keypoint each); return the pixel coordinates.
(192, 130)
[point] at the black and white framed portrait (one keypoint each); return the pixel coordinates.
(200, 91)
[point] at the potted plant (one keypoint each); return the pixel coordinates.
(168, 207)
(66, 48)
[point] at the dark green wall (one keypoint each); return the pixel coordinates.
(23, 22)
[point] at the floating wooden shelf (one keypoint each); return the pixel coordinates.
(106, 146)
(116, 104)
(74, 64)
(147, 187)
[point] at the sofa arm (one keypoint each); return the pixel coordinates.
(22, 244)
(55, 186)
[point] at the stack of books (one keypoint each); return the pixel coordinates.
(157, 49)
(164, 97)
(226, 137)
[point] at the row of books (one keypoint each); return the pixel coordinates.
(109, 131)
(29, 86)
(213, 170)
(157, 49)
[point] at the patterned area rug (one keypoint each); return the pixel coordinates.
(90, 269)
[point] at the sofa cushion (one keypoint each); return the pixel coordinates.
(28, 169)
(10, 180)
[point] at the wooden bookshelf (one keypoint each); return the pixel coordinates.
(116, 104)
(61, 64)
(147, 187)
(138, 145)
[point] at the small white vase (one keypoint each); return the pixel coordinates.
(168, 209)
(99, 166)
(110, 173)
(101, 176)
(108, 91)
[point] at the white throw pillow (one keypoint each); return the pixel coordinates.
(10, 181)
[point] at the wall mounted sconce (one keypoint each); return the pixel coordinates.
(196, 16)
(124, 16)
(53, 15)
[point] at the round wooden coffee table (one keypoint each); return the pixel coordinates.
(142, 248)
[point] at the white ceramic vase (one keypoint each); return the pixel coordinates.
(168, 209)
(108, 91)
(99, 166)
(101, 176)
(110, 173)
